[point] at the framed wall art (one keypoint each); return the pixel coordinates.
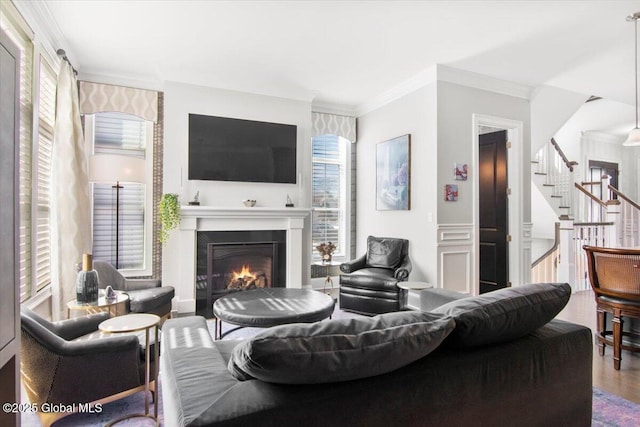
(393, 174)
(451, 192)
(460, 171)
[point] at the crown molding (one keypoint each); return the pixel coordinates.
(483, 82)
(448, 74)
(45, 27)
(139, 83)
(423, 78)
(333, 108)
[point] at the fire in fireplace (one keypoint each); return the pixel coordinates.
(246, 279)
(241, 266)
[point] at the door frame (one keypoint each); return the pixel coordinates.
(518, 274)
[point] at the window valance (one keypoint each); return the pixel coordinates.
(333, 124)
(98, 98)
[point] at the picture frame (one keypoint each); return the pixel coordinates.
(460, 171)
(451, 193)
(393, 174)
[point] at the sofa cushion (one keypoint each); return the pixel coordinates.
(339, 350)
(505, 314)
(384, 252)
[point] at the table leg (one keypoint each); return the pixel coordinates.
(155, 374)
(146, 378)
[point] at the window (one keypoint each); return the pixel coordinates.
(37, 121)
(122, 134)
(330, 193)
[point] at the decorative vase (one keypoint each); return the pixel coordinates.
(87, 282)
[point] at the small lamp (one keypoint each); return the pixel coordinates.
(109, 168)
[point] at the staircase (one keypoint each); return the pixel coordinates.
(613, 221)
(552, 173)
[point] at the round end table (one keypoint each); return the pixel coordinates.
(134, 323)
(109, 305)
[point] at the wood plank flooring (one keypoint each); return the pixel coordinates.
(581, 309)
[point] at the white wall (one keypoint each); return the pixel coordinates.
(456, 106)
(551, 108)
(182, 99)
(413, 114)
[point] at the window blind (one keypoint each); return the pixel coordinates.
(327, 182)
(25, 167)
(46, 124)
(125, 135)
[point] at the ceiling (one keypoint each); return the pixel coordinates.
(348, 52)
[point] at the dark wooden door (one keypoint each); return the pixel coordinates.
(597, 169)
(494, 250)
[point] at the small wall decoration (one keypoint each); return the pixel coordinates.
(460, 171)
(451, 192)
(393, 174)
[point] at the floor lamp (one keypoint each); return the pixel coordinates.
(110, 169)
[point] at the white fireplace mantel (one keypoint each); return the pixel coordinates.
(210, 218)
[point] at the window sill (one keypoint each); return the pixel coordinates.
(40, 297)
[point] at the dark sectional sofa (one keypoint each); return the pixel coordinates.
(540, 379)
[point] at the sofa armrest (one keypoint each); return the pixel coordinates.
(402, 272)
(100, 347)
(353, 265)
(136, 284)
(73, 328)
(435, 297)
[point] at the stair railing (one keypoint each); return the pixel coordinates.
(628, 232)
(545, 268)
(592, 234)
(558, 170)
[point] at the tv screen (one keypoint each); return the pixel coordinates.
(226, 149)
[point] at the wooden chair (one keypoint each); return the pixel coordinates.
(615, 278)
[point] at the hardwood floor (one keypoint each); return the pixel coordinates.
(581, 309)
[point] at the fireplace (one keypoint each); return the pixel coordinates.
(241, 266)
(234, 261)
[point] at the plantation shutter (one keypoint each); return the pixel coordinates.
(125, 135)
(23, 41)
(326, 192)
(46, 124)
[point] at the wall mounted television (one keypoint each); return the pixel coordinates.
(227, 149)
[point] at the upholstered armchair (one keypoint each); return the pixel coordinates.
(69, 362)
(145, 295)
(369, 283)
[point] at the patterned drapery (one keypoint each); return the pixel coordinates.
(70, 202)
(99, 98)
(333, 124)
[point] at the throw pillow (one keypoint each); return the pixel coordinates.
(505, 314)
(339, 350)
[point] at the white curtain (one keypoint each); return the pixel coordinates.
(70, 202)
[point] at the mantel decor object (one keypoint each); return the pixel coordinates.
(87, 282)
(249, 203)
(289, 203)
(196, 200)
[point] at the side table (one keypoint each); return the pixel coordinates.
(413, 286)
(103, 304)
(328, 282)
(134, 323)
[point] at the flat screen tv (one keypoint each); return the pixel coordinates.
(226, 149)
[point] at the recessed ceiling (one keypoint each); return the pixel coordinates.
(349, 52)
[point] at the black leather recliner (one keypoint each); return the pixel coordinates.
(369, 284)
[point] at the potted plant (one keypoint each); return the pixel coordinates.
(169, 215)
(326, 251)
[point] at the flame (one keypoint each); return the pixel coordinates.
(244, 273)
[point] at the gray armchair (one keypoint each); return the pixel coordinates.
(369, 284)
(145, 295)
(61, 365)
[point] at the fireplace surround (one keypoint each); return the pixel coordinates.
(195, 219)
